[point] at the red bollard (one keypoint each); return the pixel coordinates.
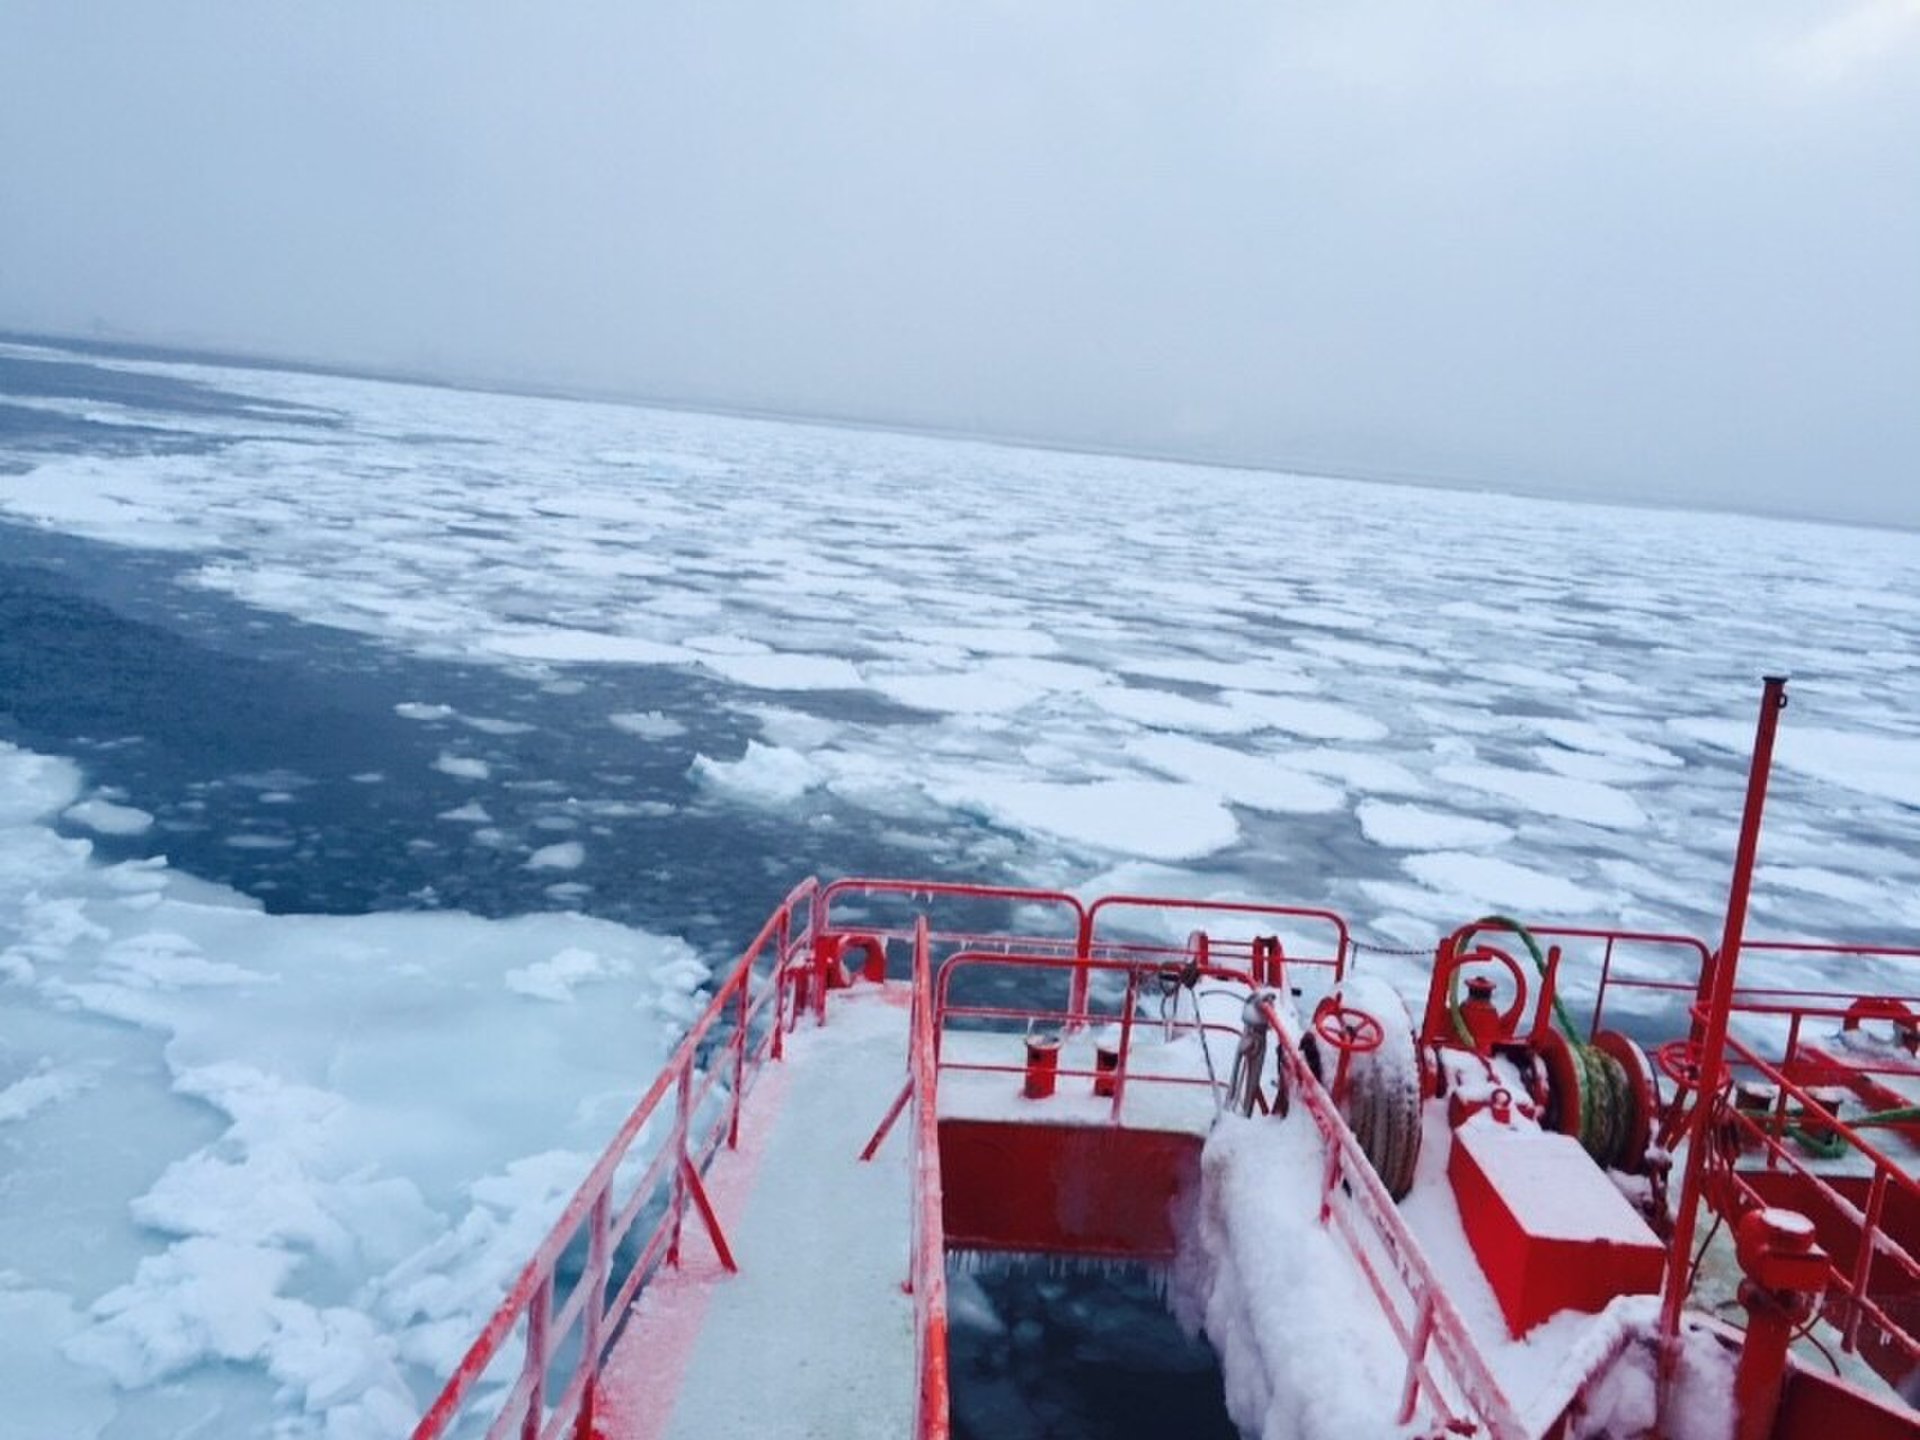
(1043, 1065)
(1786, 1275)
(1106, 1065)
(1480, 1015)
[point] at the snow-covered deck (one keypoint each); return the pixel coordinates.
(814, 1335)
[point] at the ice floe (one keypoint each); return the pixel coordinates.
(1085, 670)
(105, 817)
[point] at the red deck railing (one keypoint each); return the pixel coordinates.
(1446, 1372)
(1463, 1395)
(928, 1276)
(1864, 1202)
(708, 1076)
(629, 1229)
(1868, 1264)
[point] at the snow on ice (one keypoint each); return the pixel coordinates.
(1204, 680)
(373, 1096)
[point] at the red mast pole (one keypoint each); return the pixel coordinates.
(1713, 1047)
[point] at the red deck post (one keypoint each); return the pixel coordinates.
(599, 1267)
(539, 1318)
(1785, 1273)
(1713, 1048)
(743, 1022)
(1083, 952)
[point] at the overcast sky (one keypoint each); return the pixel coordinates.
(1654, 251)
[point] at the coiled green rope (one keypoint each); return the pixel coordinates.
(1604, 1100)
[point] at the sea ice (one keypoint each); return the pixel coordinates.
(765, 774)
(565, 855)
(556, 977)
(462, 767)
(1544, 794)
(647, 724)
(104, 817)
(1151, 819)
(1265, 646)
(1235, 776)
(1414, 827)
(1872, 764)
(348, 1087)
(1483, 883)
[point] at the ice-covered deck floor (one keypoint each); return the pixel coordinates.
(814, 1335)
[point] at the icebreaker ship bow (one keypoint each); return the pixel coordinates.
(1500, 1218)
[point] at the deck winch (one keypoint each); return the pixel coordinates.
(1044, 1115)
(1603, 1090)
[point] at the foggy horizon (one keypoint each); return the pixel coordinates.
(110, 344)
(1612, 254)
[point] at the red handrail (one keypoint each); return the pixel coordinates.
(1356, 1205)
(951, 889)
(1342, 936)
(1444, 1368)
(1736, 1193)
(929, 1275)
(1444, 1364)
(527, 1409)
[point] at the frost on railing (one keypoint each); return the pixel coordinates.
(1446, 1373)
(929, 1266)
(629, 1215)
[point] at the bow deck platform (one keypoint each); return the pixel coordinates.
(813, 1336)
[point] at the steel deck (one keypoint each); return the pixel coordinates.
(814, 1334)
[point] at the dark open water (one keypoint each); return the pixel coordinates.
(273, 760)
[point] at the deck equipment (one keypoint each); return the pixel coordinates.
(899, 1072)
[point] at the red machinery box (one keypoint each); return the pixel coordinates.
(1550, 1230)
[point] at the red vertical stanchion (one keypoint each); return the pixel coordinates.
(1713, 1047)
(538, 1319)
(1126, 1046)
(678, 1143)
(740, 1059)
(599, 1266)
(1083, 951)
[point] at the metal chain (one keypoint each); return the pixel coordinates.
(1426, 950)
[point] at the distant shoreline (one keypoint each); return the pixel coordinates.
(259, 360)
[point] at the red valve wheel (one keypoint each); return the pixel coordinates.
(1679, 1061)
(1348, 1029)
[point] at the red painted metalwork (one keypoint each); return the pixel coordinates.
(929, 1274)
(1044, 1017)
(529, 1408)
(1666, 951)
(1714, 1039)
(779, 978)
(1093, 1191)
(1463, 1394)
(1347, 1032)
(1785, 1272)
(1487, 1025)
(1871, 1269)
(1043, 1066)
(1167, 905)
(1825, 1407)
(1269, 962)
(1550, 1230)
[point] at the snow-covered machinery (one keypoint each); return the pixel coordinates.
(1500, 1220)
